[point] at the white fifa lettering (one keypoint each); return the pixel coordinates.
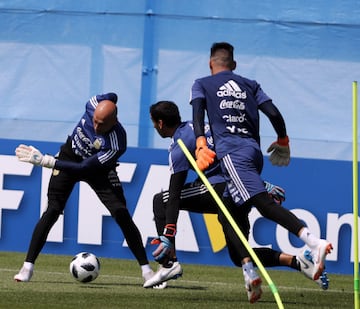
(10, 165)
(91, 210)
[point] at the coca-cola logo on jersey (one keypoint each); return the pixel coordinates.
(236, 104)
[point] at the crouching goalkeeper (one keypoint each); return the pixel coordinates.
(90, 154)
(195, 197)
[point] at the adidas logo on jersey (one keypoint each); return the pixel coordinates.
(231, 89)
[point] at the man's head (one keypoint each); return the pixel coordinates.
(222, 57)
(165, 117)
(105, 117)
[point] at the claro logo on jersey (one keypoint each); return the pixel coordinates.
(231, 89)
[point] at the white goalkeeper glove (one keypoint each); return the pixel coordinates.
(32, 155)
(280, 152)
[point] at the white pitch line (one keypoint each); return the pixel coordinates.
(197, 282)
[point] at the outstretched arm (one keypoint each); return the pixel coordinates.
(279, 150)
(275, 117)
(32, 155)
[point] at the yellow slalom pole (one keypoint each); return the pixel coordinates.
(233, 223)
(355, 197)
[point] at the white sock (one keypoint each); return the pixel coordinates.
(310, 239)
(29, 266)
(247, 267)
(145, 268)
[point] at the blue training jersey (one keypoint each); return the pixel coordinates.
(98, 150)
(232, 103)
(177, 159)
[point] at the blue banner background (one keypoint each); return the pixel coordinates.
(318, 186)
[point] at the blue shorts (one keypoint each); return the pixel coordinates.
(242, 170)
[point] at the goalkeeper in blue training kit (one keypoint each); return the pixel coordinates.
(90, 154)
(232, 105)
(195, 197)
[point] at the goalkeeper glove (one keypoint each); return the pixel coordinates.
(204, 155)
(276, 193)
(166, 245)
(32, 155)
(280, 152)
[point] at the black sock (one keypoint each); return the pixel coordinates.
(295, 264)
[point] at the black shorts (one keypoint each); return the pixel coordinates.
(105, 183)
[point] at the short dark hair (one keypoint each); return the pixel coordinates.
(224, 52)
(222, 45)
(167, 111)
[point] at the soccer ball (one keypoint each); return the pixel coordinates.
(85, 267)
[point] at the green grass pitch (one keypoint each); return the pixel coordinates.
(119, 285)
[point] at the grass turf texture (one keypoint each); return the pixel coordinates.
(119, 285)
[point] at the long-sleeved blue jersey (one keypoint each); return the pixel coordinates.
(232, 109)
(97, 151)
